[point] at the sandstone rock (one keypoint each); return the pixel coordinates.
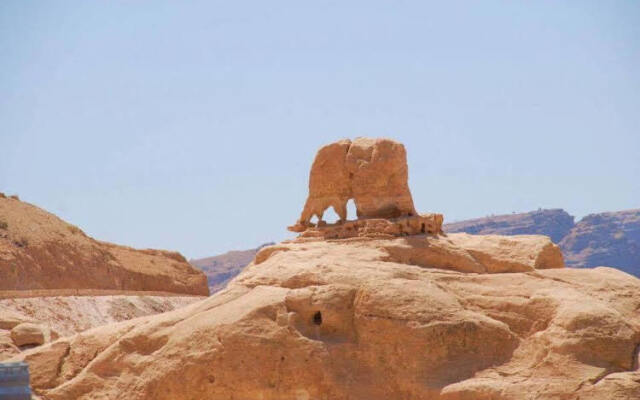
(28, 334)
(378, 227)
(351, 319)
(373, 172)
(40, 251)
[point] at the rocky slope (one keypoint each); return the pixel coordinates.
(222, 268)
(419, 317)
(605, 239)
(40, 251)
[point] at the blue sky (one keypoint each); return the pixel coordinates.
(192, 125)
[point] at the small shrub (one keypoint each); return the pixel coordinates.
(14, 196)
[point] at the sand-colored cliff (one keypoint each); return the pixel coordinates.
(40, 251)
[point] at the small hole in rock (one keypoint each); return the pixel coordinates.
(422, 228)
(317, 318)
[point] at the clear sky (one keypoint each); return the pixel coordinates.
(192, 125)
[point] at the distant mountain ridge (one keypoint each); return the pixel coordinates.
(222, 268)
(603, 239)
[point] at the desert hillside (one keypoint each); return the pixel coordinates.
(605, 239)
(40, 251)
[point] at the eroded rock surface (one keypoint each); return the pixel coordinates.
(377, 227)
(28, 334)
(372, 172)
(372, 318)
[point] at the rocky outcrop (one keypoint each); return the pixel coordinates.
(373, 315)
(377, 227)
(372, 319)
(372, 172)
(611, 239)
(222, 268)
(28, 334)
(40, 251)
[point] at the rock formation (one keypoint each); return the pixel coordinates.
(410, 317)
(40, 251)
(372, 172)
(381, 314)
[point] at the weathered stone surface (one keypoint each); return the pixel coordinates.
(377, 227)
(40, 251)
(353, 319)
(28, 334)
(373, 172)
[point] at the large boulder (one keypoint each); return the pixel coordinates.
(28, 334)
(372, 319)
